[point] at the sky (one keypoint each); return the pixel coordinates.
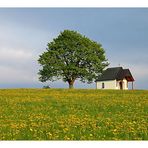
(25, 32)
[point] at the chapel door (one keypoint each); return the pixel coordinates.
(121, 85)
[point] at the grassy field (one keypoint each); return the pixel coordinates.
(62, 114)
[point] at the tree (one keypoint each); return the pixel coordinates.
(72, 56)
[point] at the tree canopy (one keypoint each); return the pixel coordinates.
(72, 56)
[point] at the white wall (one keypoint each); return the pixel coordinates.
(124, 84)
(111, 84)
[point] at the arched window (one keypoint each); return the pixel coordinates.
(103, 86)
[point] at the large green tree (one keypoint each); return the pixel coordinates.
(72, 56)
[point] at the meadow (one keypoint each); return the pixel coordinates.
(77, 114)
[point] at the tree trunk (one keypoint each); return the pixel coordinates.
(71, 82)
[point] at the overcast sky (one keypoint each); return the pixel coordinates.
(24, 34)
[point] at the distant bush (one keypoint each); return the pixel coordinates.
(46, 87)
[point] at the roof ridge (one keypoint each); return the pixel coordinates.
(115, 67)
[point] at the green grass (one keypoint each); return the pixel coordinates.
(62, 114)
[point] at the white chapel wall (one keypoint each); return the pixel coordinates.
(111, 84)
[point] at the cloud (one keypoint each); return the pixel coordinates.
(15, 54)
(18, 66)
(17, 58)
(12, 75)
(140, 71)
(20, 47)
